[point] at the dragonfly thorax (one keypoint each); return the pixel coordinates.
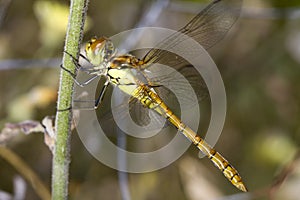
(124, 79)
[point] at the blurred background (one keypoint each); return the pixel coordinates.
(259, 61)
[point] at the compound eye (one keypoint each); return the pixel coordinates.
(95, 43)
(95, 49)
(90, 43)
(93, 39)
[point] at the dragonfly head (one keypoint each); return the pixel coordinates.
(99, 50)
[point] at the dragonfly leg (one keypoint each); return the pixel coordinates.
(101, 95)
(66, 109)
(84, 83)
(78, 67)
(75, 60)
(68, 71)
(85, 58)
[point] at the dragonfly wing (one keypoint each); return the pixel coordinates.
(207, 28)
(128, 110)
(178, 84)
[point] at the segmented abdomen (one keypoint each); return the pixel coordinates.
(151, 100)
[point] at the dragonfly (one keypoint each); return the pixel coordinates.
(208, 27)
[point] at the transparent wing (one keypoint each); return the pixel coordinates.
(207, 28)
(129, 114)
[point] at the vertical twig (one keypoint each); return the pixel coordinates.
(61, 158)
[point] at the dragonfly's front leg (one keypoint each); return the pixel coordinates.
(84, 83)
(78, 67)
(101, 95)
(75, 61)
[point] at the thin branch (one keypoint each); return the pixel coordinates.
(61, 159)
(122, 162)
(29, 63)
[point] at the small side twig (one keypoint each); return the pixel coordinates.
(8, 133)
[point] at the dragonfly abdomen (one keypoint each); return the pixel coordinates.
(152, 101)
